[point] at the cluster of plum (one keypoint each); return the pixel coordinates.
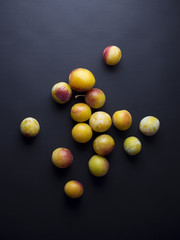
(82, 80)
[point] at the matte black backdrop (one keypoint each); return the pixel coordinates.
(41, 42)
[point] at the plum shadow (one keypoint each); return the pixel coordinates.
(60, 172)
(72, 203)
(27, 140)
(98, 181)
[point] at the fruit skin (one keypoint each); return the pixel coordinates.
(81, 80)
(80, 112)
(73, 189)
(29, 127)
(132, 145)
(82, 132)
(98, 165)
(149, 125)
(122, 120)
(61, 92)
(100, 121)
(112, 55)
(95, 98)
(103, 144)
(62, 157)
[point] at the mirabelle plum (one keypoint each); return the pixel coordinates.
(73, 189)
(132, 145)
(62, 157)
(81, 80)
(149, 125)
(122, 120)
(82, 132)
(95, 98)
(112, 55)
(29, 127)
(103, 144)
(98, 165)
(100, 121)
(80, 112)
(61, 92)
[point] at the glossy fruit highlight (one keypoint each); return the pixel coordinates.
(103, 144)
(95, 98)
(61, 92)
(82, 132)
(62, 157)
(100, 121)
(81, 80)
(80, 112)
(98, 165)
(73, 189)
(29, 127)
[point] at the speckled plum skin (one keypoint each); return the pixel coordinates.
(29, 127)
(98, 165)
(62, 157)
(73, 189)
(103, 144)
(80, 112)
(100, 121)
(149, 125)
(122, 120)
(132, 146)
(95, 98)
(61, 92)
(81, 80)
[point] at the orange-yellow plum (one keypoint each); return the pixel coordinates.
(62, 157)
(103, 144)
(81, 80)
(95, 98)
(80, 112)
(122, 120)
(61, 92)
(73, 189)
(82, 132)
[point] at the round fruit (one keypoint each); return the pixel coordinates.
(82, 132)
(80, 112)
(122, 120)
(149, 125)
(103, 144)
(95, 98)
(112, 55)
(81, 80)
(98, 165)
(29, 127)
(132, 145)
(100, 121)
(73, 189)
(62, 157)
(61, 92)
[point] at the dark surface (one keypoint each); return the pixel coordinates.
(41, 42)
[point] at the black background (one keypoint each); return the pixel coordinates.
(41, 42)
